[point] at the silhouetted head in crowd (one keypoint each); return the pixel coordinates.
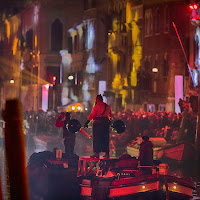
(145, 138)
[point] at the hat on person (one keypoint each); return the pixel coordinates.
(99, 97)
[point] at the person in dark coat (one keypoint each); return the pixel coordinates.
(101, 115)
(69, 138)
(146, 152)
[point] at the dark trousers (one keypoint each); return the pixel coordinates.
(101, 135)
(69, 143)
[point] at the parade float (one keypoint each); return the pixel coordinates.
(126, 179)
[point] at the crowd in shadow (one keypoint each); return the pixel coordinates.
(173, 127)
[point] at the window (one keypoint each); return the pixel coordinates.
(76, 43)
(166, 19)
(85, 4)
(147, 65)
(88, 4)
(93, 3)
(70, 50)
(165, 66)
(157, 21)
(148, 23)
(162, 107)
(56, 35)
(29, 39)
(151, 107)
(52, 71)
(85, 40)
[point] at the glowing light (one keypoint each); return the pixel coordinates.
(45, 94)
(73, 107)
(91, 66)
(12, 81)
(116, 84)
(21, 64)
(46, 86)
(155, 69)
(70, 77)
(143, 187)
(36, 41)
(54, 78)
(193, 7)
(8, 28)
(66, 57)
(86, 109)
(78, 108)
(102, 87)
(35, 15)
(14, 47)
(174, 187)
(90, 36)
(178, 92)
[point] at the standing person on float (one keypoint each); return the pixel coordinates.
(69, 137)
(101, 115)
(146, 154)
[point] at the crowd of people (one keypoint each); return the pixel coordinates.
(171, 126)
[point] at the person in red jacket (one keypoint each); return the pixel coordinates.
(101, 116)
(69, 138)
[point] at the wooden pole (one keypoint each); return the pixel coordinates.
(15, 150)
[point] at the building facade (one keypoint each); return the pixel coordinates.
(63, 52)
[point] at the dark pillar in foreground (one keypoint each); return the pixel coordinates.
(15, 150)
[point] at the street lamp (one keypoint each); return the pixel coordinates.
(12, 81)
(155, 69)
(70, 77)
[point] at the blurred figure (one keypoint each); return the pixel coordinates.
(180, 103)
(69, 138)
(146, 152)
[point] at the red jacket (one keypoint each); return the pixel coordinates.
(98, 111)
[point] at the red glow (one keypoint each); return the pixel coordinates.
(193, 7)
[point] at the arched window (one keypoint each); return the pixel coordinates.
(56, 35)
